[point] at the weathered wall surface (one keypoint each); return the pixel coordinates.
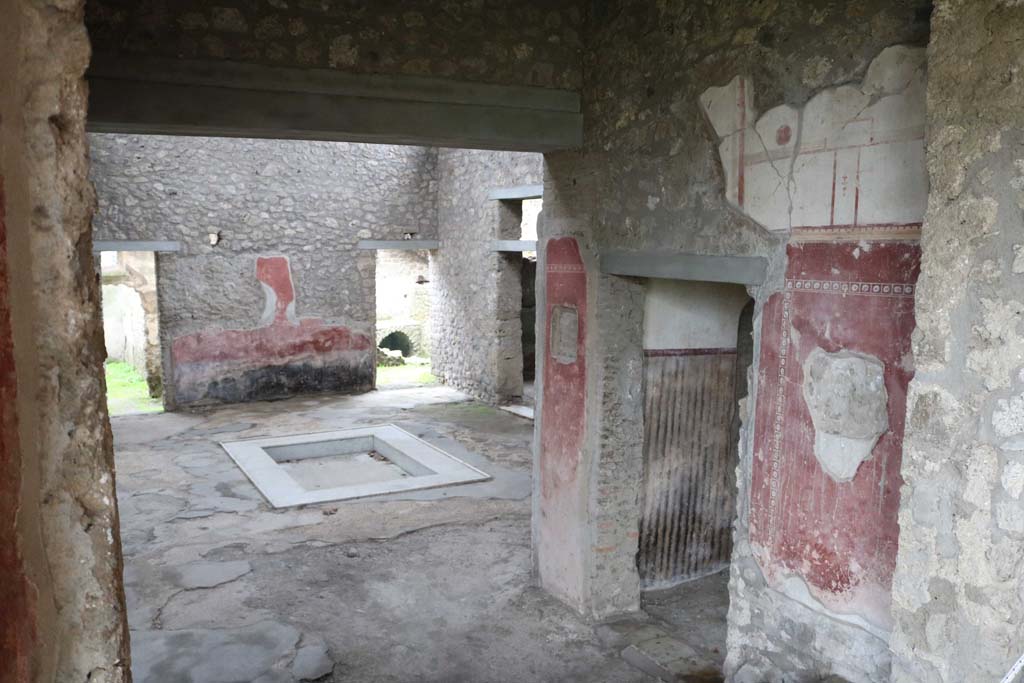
(63, 616)
(827, 442)
(690, 457)
(535, 42)
(957, 594)
(283, 303)
(17, 627)
(477, 329)
(651, 176)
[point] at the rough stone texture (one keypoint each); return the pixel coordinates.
(958, 605)
(845, 394)
(308, 201)
(68, 625)
(477, 291)
(536, 42)
(649, 177)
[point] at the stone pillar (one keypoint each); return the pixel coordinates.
(957, 600)
(589, 425)
(63, 615)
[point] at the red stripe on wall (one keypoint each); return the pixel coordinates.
(660, 353)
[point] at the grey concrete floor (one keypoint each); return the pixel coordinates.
(429, 586)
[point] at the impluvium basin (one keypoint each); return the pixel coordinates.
(342, 465)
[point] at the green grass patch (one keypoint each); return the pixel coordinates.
(127, 391)
(404, 375)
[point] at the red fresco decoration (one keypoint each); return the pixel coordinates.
(839, 538)
(17, 614)
(203, 356)
(561, 439)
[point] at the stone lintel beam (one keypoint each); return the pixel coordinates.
(514, 245)
(516, 192)
(742, 270)
(399, 245)
(230, 99)
(136, 245)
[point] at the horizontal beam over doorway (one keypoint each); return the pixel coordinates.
(135, 245)
(399, 245)
(742, 270)
(230, 99)
(515, 245)
(517, 192)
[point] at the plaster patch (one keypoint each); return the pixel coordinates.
(997, 346)
(565, 325)
(1010, 517)
(846, 396)
(1013, 479)
(981, 473)
(854, 156)
(1008, 417)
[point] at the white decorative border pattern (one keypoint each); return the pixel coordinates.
(883, 289)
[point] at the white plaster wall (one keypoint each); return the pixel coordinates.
(531, 212)
(854, 156)
(692, 315)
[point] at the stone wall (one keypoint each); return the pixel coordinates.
(477, 329)
(651, 176)
(63, 616)
(282, 303)
(531, 42)
(958, 605)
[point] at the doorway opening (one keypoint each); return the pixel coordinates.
(517, 233)
(698, 349)
(131, 331)
(403, 306)
(296, 267)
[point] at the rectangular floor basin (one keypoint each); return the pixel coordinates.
(303, 469)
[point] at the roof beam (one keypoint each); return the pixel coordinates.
(231, 99)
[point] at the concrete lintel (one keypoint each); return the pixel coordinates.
(215, 98)
(517, 192)
(136, 245)
(743, 270)
(515, 245)
(401, 245)
(248, 76)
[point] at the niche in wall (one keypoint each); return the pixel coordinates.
(693, 375)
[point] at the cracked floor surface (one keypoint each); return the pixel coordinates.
(426, 586)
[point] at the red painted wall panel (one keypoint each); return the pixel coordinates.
(287, 354)
(17, 612)
(561, 439)
(840, 539)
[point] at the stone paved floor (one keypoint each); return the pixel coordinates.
(429, 586)
(680, 636)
